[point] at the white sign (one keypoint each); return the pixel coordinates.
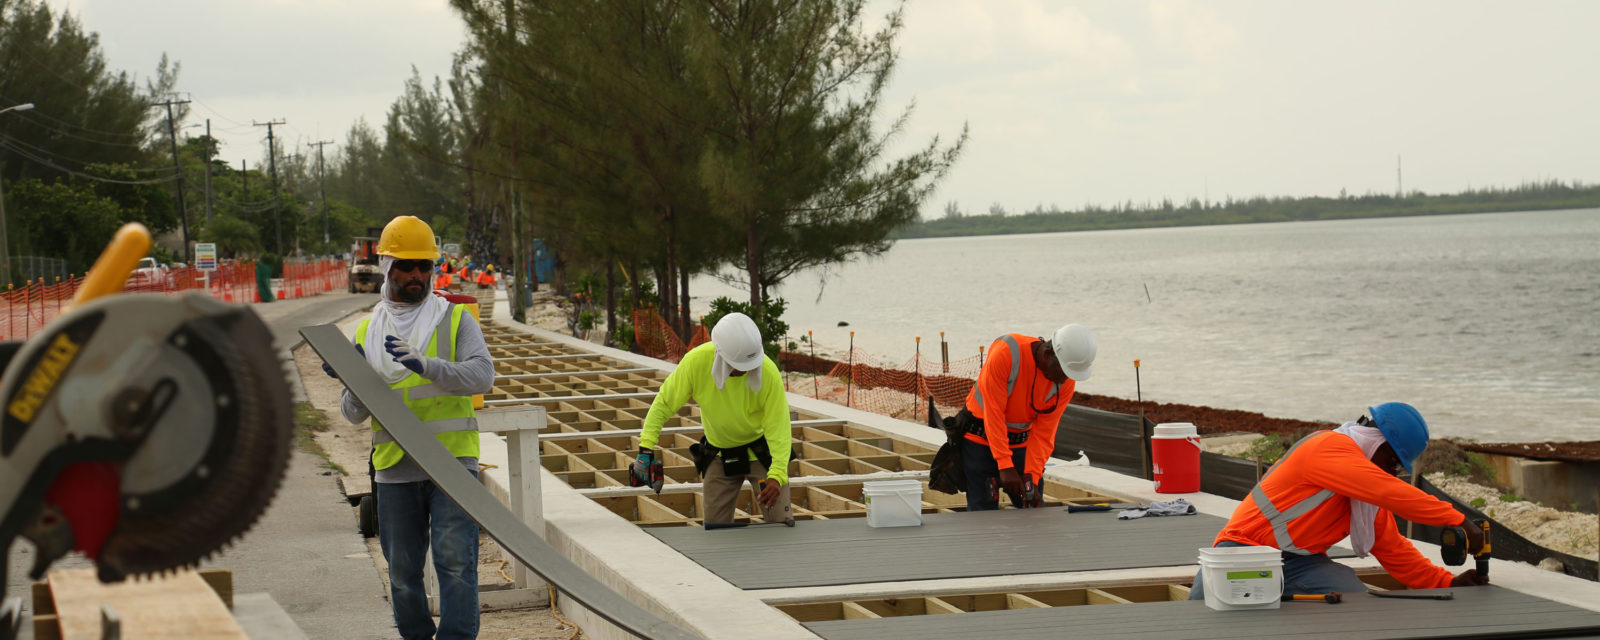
(452, 248)
(205, 255)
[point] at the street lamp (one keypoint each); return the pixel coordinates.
(5, 242)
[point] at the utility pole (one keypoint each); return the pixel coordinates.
(209, 151)
(322, 177)
(272, 164)
(172, 137)
(244, 174)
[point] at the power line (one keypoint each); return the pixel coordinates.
(59, 157)
(59, 132)
(46, 162)
(37, 114)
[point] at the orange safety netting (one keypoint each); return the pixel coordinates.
(653, 337)
(859, 380)
(24, 310)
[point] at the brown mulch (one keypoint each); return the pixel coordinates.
(1207, 420)
(1563, 451)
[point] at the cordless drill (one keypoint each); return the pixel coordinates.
(1453, 547)
(1032, 494)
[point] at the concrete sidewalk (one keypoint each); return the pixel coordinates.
(306, 551)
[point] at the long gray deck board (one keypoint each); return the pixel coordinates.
(947, 545)
(1476, 612)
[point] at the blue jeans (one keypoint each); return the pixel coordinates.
(409, 514)
(1302, 575)
(979, 464)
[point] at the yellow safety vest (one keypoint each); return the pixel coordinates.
(449, 417)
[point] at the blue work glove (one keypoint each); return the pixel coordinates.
(329, 370)
(646, 470)
(404, 354)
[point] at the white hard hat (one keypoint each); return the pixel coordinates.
(738, 341)
(1075, 349)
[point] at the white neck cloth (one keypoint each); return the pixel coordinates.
(720, 370)
(413, 323)
(1362, 514)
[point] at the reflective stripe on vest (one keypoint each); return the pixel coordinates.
(1280, 519)
(450, 418)
(1011, 383)
(434, 427)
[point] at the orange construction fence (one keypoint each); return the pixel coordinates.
(31, 306)
(301, 279)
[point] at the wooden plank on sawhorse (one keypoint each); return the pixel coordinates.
(184, 605)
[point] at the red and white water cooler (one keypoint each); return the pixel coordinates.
(1175, 457)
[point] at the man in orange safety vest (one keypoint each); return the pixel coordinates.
(1013, 410)
(1342, 482)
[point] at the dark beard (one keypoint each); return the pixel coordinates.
(411, 296)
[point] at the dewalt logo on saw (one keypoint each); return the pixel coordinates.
(40, 376)
(43, 379)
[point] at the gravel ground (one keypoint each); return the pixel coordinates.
(1565, 531)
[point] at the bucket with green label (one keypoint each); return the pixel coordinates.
(1242, 577)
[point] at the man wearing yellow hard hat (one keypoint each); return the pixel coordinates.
(433, 353)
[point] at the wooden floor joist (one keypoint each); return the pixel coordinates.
(183, 605)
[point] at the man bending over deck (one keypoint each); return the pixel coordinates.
(1341, 483)
(745, 416)
(1013, 410)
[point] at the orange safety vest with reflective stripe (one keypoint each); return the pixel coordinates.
(1302, 505)
(1017, 403)
(485, 279)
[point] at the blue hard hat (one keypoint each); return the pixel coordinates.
(1403, 427)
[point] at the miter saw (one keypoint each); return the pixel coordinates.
(145, 431)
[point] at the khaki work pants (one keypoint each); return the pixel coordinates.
(722, 491)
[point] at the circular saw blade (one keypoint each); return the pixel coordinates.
(252, 437)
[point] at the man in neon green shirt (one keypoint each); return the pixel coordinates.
(745, 414)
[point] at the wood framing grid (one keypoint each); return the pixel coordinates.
(822, 501)
(969, 602)
(823, 450)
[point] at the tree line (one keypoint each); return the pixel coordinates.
(1530, 196)
(640, 141)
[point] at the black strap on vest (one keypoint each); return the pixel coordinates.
(974, 425)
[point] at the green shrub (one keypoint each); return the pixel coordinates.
(1267, 449)
(1477, 503)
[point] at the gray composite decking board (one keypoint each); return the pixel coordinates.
(1476, 612)
(947, 545)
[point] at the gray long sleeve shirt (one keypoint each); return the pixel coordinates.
(472, 374)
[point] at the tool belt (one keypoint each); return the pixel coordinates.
(974, 425)
(735, 460)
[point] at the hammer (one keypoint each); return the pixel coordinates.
(1330, 598)
(713, 526)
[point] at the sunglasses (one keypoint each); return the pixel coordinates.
(413, 265)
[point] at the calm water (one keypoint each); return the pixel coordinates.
(1488, 323)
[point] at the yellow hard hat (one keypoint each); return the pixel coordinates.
(408, 238)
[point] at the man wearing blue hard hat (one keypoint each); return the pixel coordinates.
(1339, 483)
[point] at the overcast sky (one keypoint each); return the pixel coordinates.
(1068, 102)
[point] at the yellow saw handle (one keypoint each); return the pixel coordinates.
(115, 264)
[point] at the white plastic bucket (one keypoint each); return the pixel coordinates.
(1242, 577)
(893, 503)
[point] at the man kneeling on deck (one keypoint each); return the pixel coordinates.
(1342, 482)
(745, 416)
